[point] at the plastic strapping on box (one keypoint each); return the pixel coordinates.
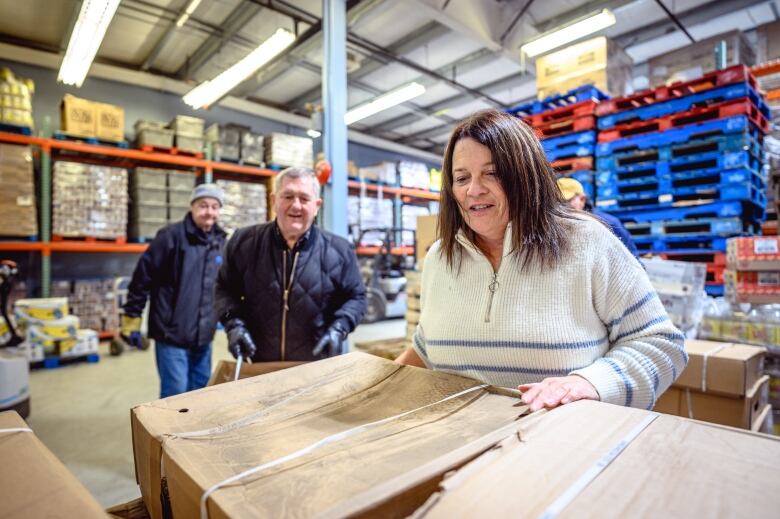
(571, 493)
(16, 429)
(689, 402)
(204, 512)
(705, 357)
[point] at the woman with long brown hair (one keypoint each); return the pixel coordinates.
(522, 291)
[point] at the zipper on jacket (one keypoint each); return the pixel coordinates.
(286, 295)
(493, 286)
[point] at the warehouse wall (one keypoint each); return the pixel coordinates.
(144, 103)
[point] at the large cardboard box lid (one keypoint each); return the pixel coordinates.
(226, 370)
(674, 467)
(721, 367)
(34, 483)
(78, 116)
(293, 409)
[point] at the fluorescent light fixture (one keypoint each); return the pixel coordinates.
(569, 33)
(212, 90)
(313, 133)
(383, 102)
(91, 25)
(187, 12)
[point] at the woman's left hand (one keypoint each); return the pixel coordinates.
(554, 391)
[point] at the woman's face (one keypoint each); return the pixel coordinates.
(478, 191)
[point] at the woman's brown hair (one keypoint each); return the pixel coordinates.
(536, 207)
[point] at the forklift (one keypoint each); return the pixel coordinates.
(383, 275)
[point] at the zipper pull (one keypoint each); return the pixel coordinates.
(493, 286)
(285, 297)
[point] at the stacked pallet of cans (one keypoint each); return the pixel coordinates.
(566, 125)
(683, 167)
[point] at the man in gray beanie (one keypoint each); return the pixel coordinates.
(177, 273)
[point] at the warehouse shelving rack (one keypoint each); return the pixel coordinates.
(54, 147)
(766, 69)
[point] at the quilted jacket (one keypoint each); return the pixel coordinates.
(326, 286)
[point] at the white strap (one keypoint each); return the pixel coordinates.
(239, 361)
(713, 351)
(689, 401)
(583, 481)
(16, 429)
(204, 513)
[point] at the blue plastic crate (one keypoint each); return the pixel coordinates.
(569, 152)
(576, 95)
(724, 143)
(553, 143)
(687, 244)
(715, 290)
(691, 132)
(704, 162)
(683, 104)
(694, 227)
(724, 209)
(682, 184)
(659, 198)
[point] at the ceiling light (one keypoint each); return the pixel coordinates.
(187, 12)
(210, 91)
(569, 33)
(91, 25)
(313, 133)
(383, 102)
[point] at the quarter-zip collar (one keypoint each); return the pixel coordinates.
(474, 250)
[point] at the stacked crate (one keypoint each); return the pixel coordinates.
(682, 166)
(282, 151)
(566, 125)
(158, 197)
(92, 301)
(180, 186)
(245, 204)
(188, 133)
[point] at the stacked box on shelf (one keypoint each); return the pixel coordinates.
(753, 269)
(153, 134)
(148, 202)
(409, 215)
(17, 197)
(683, 165)
(50, 331)
(383, 173)
(414, 175)
(188, 133)
(225, 140)
(252, 148)
(15, 99)
(282, 150)
(92, 301)
(180, 186)
(245, 204)
(89, 200)
(566, 124)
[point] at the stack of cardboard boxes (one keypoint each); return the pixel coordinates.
(414, 175)
(188, 133)
(153, 134)
(15, 99)
(282, 150)
(17, 197)
(753, 269)
(245, 204)
(724, 383)
(381, 173)
(600, 62)
(92, 301)
(90, 119)
(680, 287)
(89, 200)
(180, 186)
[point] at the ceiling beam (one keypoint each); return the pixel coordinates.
(233, 23)
(412, 41)
(168, 33)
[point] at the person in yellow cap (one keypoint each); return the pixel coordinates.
(574, 194)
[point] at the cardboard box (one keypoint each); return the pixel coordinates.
(226, 370)
(386, 348)
(294, 408)
(672, 468)
(135, 509)
(755, 253)
(78, 116)
(34, 482)
(598, 61)
(753, 287)
(738, 412)
(110, 122)
(730, 369)
(426, 236)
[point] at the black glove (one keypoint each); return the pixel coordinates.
(239, 340)
(332, 340)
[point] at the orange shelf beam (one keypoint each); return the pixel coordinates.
(773, 95)
(419, 193)
(403, 191)
(98, 246)
(229, 167)
(765, 69)
(21, 246)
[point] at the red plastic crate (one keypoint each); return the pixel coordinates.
(556, 128)
(562, 113)
(573, 164)
(714, 79)
(697, 115)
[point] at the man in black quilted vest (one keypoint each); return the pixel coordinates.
(288, 290)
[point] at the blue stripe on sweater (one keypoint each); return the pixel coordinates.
(506, 369)
(633, 308)
(519, 344)
(627, 383)
(420, 346)
(659, 319)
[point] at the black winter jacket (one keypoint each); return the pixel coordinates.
(179, 270)
(326, 287)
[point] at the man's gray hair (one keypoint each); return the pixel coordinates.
(297, 172)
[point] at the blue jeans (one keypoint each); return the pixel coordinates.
(182, 369)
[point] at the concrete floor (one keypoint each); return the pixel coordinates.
(82, 411)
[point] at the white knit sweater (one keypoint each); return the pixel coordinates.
(595, 315)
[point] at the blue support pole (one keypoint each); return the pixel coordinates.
(334, 101)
